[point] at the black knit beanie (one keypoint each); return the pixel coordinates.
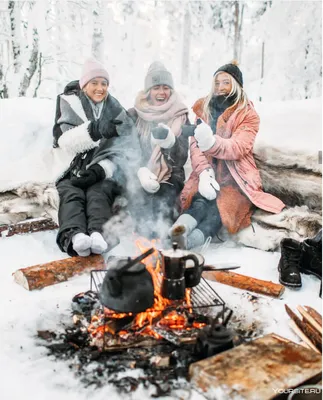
(233, 70)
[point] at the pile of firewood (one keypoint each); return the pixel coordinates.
(308, 326)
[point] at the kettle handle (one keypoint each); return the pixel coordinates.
(193, 258)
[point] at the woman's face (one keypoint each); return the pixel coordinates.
(223, 84)
(97, 89)
(159, 95)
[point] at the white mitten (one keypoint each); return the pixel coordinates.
(148, 180)
(108, 166)
(163, 136)
(204, 136)
(208, 185)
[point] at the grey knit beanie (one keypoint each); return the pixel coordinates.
(158, 75)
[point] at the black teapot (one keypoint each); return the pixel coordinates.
(127, 286)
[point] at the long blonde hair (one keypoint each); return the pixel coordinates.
(236, 90)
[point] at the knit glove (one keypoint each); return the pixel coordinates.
(204, 136)
(103, 128)
(207, 184)
(162, 136)
(148, 180)
(89, 177)
(124, 124)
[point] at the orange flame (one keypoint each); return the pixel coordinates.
(143, 321)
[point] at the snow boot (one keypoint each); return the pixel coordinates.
(288, 267)
(311, 260)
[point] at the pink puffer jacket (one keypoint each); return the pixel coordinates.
(235, 146)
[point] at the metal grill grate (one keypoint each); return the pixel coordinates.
(203, 296)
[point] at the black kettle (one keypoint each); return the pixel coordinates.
(127, 286)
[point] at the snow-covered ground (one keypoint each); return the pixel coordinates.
(26, 370)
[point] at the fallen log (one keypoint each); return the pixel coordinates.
(42, 275)
(245, 282)
(313, 313)
(307, 317)
(302, 336)
(254, 369)
(306, 328)
(28, 226)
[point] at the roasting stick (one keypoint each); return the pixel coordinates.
(301, 335)
(310, 319)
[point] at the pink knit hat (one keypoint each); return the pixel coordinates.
(92, 69)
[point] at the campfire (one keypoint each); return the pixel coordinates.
(163, 340)
(177, 321)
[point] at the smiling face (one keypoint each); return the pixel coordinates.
(159, 95)
(97, 89)
(222, 84)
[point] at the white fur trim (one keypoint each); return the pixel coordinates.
(76, 105)
(77, 140)
(108, 166)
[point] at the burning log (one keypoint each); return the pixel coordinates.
(246, 282)
(34, 225)
(42, 275)
(306, 328)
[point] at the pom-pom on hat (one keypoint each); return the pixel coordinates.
(92, 69)
(158, 75)
(233, 70)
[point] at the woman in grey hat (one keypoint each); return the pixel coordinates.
(159, 115)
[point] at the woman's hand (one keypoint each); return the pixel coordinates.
(148, 180)
(207, 184)
(204, 136)
(163, 136)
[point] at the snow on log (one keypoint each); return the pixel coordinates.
(253, 369)
(246, 282)
(28, 226)
(42, 275)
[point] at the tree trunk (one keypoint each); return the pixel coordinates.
(246, 282)
(42, 275)
(97, 35)
(238, 19)
(31, 69)
(14, 13)
(186, 47)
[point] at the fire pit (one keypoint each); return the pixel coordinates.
(177, 321)
(161, 342)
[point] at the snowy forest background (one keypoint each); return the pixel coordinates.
(278, 44)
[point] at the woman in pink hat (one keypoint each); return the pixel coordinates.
(93, 127)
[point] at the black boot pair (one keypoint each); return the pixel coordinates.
(300, 257)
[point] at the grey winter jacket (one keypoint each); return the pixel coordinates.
(71, 132)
